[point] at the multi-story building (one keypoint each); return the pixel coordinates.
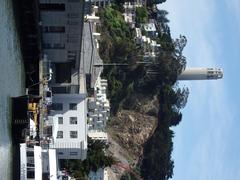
(37, 163)
(69, 126)
(62, 27)
(61, 35)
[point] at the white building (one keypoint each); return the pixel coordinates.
(69, 126)
(150, 29)
(150, 47)
(99, 106)
(130, 12)
(37, 163)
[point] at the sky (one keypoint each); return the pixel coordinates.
(207, 141)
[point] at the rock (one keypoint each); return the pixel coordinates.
(133, 130)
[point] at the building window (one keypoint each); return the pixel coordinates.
(51, 7)
(60, 134)
(73, 153)
(73, 106)
(60, 153)
(53, 46)
(58, 46)
(60, 120)
(73, 15)
(73, 1)
(73, 134)
(57, 106)
(47, 46)
(54, 29)
(59, 90)
(73, 120)
(72, 56)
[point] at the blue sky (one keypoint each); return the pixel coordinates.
(207, 141)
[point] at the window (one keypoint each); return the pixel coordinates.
(60, 134)
(73, 120)
(60, 153)
(53, 46)
(73, 106)
(57, 106)
(73, 15)
(73, 1)
(72, 55)
(71, 22)
(51, 7)
(73, 153)
(58, 46)
(60, 76)
(73, 134)
(59, 90)
(46, 46)
(54, 29)
(60, 120)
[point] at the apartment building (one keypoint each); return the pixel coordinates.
(69, 126)
(62, 26)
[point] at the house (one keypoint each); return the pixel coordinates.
(150, 29)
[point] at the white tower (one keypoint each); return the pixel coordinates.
(201, 74)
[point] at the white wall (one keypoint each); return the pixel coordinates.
(66, 145)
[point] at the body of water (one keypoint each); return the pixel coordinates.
(11, 81)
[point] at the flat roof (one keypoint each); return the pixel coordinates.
(90, 55)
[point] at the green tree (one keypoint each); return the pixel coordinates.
(176, 118)
(154, 2)
(162, 16)
(179, 45)
(96, 158)
(141, 15)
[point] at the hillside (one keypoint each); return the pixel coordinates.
(145, 98)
